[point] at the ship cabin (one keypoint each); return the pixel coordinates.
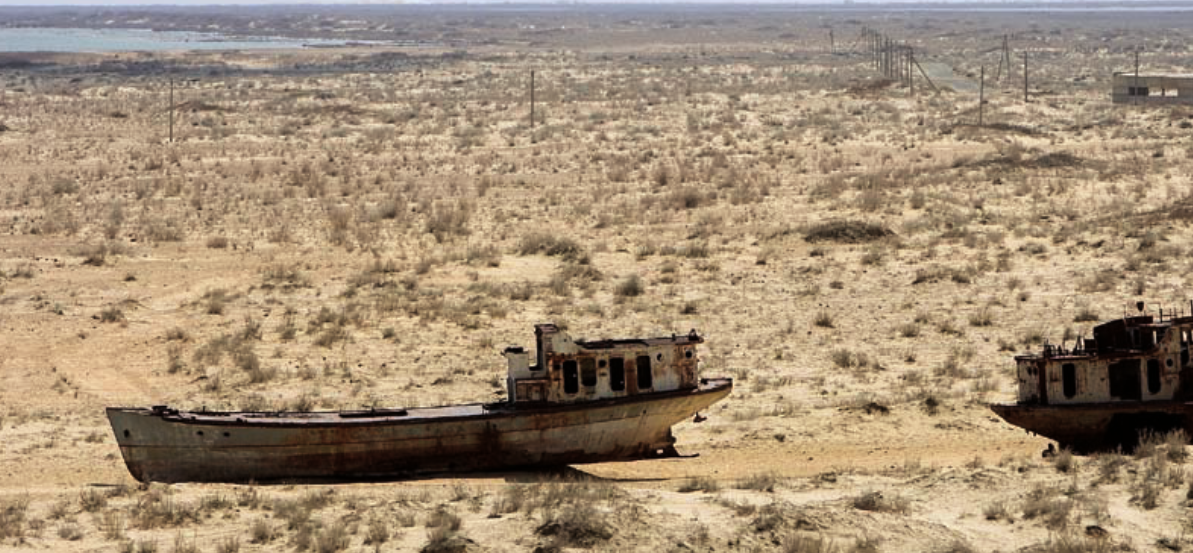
(563, 370)
(1136, 358)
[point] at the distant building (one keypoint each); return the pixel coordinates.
(1152, 88)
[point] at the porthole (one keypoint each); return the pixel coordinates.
(688, 354)
(199, 433)
(1169, 362)
(227, 435)
(126, 433)
(658, 357)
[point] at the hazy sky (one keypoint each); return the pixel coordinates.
(382, 2)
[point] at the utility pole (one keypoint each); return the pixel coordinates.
(832, 44)
(1025, 100)
(532, 100)
(171, 109)
(1135, 97)
(1004, 58)
(981, 96)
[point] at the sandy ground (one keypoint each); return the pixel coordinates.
(371, 234)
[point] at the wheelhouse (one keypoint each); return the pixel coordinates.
(1137, 358)
(568, 371)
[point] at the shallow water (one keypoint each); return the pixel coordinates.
(121, 40)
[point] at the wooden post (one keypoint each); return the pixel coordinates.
(832, 44)
(532, 100)
(981, 96)
(1135, 97)
(886, 58)
(1025, 100)
(171, 109)
(910, 75)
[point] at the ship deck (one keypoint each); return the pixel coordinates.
(412, 415)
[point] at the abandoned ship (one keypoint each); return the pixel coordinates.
(579, 402)
(1133, 376)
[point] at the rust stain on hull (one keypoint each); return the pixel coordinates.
(165, 445)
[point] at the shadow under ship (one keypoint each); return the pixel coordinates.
(1132, 378)
(580, 402)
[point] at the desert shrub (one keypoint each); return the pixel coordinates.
(1065, 543)
(800, 543)
(333, 537)
(183, 545)
(112, 314)
(1048, 505)
(70, 532)
(876, 501)
(215, 301)
(261, 531)
(846, 232)
(629, 287)
(167, 230)
(331, 335)
(686, 197)
(981, 318)
(823, 319)
(157, 509)
(997, 511)
(578, 524)
(443, 532)
(377, 532)
(92, 500)
(93, 255)
(449, 218)
(699, 484)
(63, 185)
(13, 513)
(763, 482)
(551, 245)
(217, 242)
(112, 525)
(1064, 461)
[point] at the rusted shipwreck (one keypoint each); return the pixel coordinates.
(1133, 376)
(569, 402)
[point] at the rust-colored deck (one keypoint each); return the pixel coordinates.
(170, 446)
(1101, 426)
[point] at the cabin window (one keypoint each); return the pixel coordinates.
(571, 381)
(588, 375)
(617, 374)
(645, 378)
(1069, 378)
(1153, 376)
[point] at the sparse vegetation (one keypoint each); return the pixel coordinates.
(350, 228)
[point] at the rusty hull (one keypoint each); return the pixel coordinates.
(1086, 428)
(165, 445)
